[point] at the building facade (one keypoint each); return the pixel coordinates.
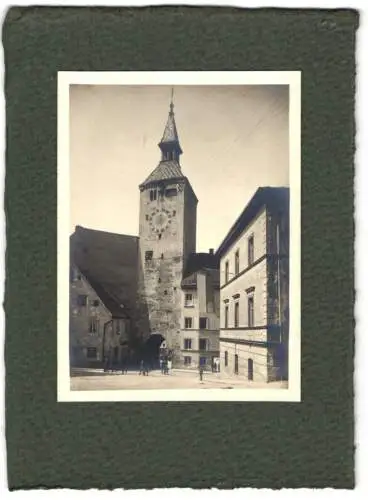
(200, 314)
(254, 290)
(97, 330)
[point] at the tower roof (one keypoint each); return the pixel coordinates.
(170, 132)
(165, 170)
(170, 138)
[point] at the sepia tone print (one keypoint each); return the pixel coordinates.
(150, 307)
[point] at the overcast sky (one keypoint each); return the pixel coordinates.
(234, 139)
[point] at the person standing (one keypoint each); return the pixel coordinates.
(169, 366)
(201, 373)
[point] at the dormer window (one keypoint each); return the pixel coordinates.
(153, 195)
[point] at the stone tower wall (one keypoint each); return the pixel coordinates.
(159, 292)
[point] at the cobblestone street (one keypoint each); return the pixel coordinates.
(97, 380)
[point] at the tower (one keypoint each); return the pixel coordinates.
(167, 235)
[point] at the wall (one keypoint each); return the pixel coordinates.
(255, 276)
(256, 353)
(80, 336)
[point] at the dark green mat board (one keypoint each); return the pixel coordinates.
(196, 445)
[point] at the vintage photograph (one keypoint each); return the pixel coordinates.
(179, 236)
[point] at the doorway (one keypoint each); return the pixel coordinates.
(250, 369)
(236, 365)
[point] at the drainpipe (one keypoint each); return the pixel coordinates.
(103, 339)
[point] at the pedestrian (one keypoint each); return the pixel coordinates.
(201, 374)
(169, 365)
(141, 368)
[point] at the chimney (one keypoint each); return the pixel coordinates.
(211, 251)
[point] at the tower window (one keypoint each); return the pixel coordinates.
(171, 192)
(159, 236)
(148, 255)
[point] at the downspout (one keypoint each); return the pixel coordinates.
(103, 338)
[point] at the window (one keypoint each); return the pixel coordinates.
(188, 300)
(226, 272)
(74, 275)
(159, 236)
(147, 217)
(91, 352)
(93, 324)
(95, 303)
(159, 280)
(202, 323)
(153, 195)
(250, 311)
(202, 361)
(237, 262)
(148, 255)
(188, 322)
(187, 343)
(203, 344)
(226, 316)
(165, 292)
(162, 256)
(236, 315)
(250, 250)
(226, 358)
(171, 192)
(236, 364)
(174, 213)
(82, 300)
(187, 360)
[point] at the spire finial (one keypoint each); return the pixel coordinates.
(172, 100)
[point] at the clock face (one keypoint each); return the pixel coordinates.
(160, 219)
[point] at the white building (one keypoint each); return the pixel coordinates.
(200, 318)
(254, 289)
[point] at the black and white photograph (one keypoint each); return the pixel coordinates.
(179, 236)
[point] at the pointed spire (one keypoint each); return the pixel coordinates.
(169, 145)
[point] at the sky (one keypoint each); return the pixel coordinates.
(234, 140)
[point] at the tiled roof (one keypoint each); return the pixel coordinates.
(165, 170)
(274, 198)
(109, 263)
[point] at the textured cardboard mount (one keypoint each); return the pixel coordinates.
(193, 445)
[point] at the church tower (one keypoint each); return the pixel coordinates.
(167, 235)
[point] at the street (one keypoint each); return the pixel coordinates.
(85, 379)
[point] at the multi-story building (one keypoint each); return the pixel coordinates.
(200, 312)
(254, 289)
(102, 295)
(99, 327)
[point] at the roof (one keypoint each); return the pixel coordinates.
(274, 198)
(207, 263)
(165, 170)
(109, 263)
(170, 132)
